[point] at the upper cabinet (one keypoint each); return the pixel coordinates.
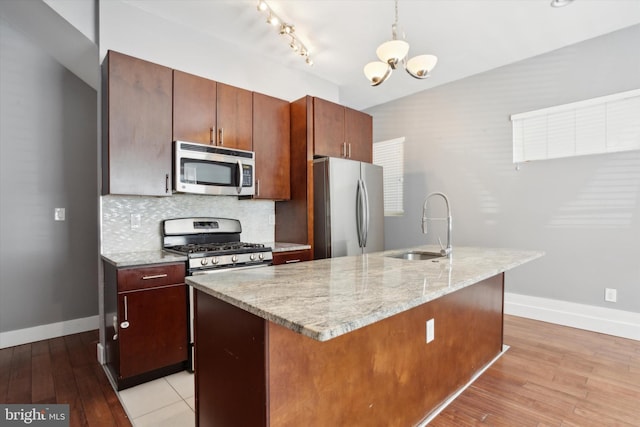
(340, 131)
(136, 127)
(358, 130)
(271, 119)
(194, 108)
(234, 117)
(208, 112)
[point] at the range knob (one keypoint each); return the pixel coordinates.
(252, 257)
(261, 256)
(204, 261)
(214, 260)
(234, 258)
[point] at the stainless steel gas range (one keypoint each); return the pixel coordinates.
(211, 245)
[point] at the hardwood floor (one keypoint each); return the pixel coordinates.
(62, 370)
(551, 376)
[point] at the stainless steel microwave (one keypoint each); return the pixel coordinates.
(207, 169)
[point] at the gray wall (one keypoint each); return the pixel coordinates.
(584, 211)
(48, 158)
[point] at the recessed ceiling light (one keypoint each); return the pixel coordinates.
(560, 3)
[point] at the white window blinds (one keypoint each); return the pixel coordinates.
(600, 125)
(390, 155)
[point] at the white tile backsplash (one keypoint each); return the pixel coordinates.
(118, 235)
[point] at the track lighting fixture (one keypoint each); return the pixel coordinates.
(286, 30)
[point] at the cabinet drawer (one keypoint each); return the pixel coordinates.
(291, 257)
(136, 278)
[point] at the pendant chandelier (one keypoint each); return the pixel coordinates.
(394, 52)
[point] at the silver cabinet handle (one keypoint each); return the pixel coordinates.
(291, 261)
(211, 132)
(125, 323)
(349, 151)
(257, 187)
(221, 136)
(155, 276)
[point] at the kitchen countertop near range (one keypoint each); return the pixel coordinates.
(130, 259)
(326, 298)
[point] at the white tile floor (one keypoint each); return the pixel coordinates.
(165, 402)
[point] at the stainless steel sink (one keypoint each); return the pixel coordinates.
(417, 255)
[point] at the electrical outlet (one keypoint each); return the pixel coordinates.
(610, 294)
(136, 220)
(272, 220)
(59, 214)
(430, 330)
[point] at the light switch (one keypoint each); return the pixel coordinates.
(59, 214)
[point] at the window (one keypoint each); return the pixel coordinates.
(600, 125)
(390, 155)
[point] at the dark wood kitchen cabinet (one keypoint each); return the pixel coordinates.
(340, 131)
(292, 257)
(210, 112)
(136, 126)
(146, 322)
(271, 142)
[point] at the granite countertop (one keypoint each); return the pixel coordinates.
(129, 259)
(287, 247)
(327, 298)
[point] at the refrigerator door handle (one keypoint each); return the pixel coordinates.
(366, 214)
(359, 213)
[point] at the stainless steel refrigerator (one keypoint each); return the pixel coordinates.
(348, 207)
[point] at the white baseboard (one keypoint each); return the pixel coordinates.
(45, 332)
(608, 321)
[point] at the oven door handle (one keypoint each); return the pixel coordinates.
(239, 188)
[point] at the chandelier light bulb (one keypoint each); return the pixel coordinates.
(262, 6)
(420, 66)
(377, 72)
(393, 52)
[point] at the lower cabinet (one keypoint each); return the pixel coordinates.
(146, 322)
(291, 257)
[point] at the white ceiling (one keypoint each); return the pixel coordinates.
(468, 36)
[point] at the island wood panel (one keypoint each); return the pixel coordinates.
(253, 372)
(385, 374)
(230, 365)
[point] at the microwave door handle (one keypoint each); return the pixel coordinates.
(239, 188)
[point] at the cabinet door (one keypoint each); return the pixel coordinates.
(137, 121)
(292, 257)
(156, 335)
(271, 144)
(359, 135)
(235, 114)
(194, 108)
(328, 128)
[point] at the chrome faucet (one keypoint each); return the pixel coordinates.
(443, 251)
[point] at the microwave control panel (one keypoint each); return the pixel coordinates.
(247, 175)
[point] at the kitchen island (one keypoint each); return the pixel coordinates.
(343, 341)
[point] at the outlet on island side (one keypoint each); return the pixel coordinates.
(610, 294)
(430, 330)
